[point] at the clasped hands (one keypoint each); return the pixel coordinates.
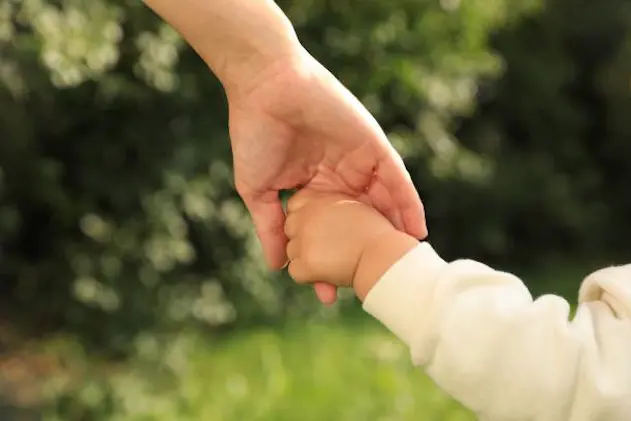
(298, 126)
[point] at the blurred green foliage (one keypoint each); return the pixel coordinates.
(118, 216)
(284, 375)
(551, 127)
(118, 213)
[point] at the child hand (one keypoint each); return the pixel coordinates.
(329, 234)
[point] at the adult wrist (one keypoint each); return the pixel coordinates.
(237, 39)
(378, 256)
(243, 75)
(257, 56)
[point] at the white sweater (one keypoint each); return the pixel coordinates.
(482, 339)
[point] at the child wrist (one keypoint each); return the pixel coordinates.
(377, 257)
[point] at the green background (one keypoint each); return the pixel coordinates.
(131, 284)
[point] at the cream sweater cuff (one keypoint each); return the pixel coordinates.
(397, 300)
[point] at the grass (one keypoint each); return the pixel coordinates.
(347, 369)
(317, 371)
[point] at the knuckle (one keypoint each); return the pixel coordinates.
(298, 273)
(296, 201)
(300, 199)
(293, 249)
(290, 226)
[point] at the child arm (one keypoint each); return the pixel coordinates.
(481, 337)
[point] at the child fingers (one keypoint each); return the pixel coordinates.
(293, 249)
(292, 225)
(300, 199)
(299, 271)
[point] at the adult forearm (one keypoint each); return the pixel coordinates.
(236, 38)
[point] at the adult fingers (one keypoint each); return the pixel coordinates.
(326, 293)
(391, 176)
(380, 198)
(269, 220)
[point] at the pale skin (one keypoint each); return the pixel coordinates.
(292, 123)
(339, 240)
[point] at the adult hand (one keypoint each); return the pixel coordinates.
(295, 125)
(292, 123)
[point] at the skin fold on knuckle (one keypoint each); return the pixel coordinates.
(298, 272)
(290, 225)
(297, 201)
(293, 249)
